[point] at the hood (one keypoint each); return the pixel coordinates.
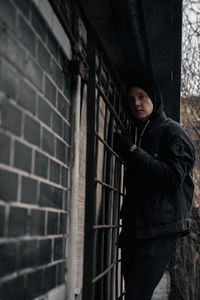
(151, 88)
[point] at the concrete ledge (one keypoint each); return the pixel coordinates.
(54, 24)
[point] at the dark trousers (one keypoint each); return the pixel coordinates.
(144, 263)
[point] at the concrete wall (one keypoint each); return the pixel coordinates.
(81, 198)
(35, 133)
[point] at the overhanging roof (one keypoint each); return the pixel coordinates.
(142, 36)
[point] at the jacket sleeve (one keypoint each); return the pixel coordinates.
(170, 168)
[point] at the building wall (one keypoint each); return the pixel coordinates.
(35, 137)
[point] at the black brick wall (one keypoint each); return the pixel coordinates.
(25, 91)
(22, 156)
(9, 185)
(5, 148)
(35, 137)
(29, 190)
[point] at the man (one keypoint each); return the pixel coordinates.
(159, 189)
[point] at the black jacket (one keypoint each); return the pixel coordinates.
(159, 185)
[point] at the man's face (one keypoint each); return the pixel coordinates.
(140, 103)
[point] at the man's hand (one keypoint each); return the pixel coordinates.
(122, 144)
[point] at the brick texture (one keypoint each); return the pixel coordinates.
(8, 260)
(44, 57)
(28, 254)
(34, 284)
(24, 7)
(9, 185)
(29, 190)
(13, 289)
(18, 221)
(44, 111)
(50, 91)
(22, 156)
(48, 142)
(45, 247)
(27, 96)
(5, 148)
(35, 145)
(8, 86)
(11, 117)
(8, 14)
(58, 248)
(49, 278)
(26, 35)
(61, 272)
(38, 23)
(37, 222)
(41, 164)
(52, 223)
(32, 131)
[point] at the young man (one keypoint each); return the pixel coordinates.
(159, 190)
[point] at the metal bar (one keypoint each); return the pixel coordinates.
(105, 271)
(97, 113)
(100, 67)
(110, 106)
(122, 281)
(102, 260)
(106, 185)
(118, 178)
(105, 152)
(88, 291)
(105, 226)
(108, 147)
(109, 136)
(121, 296)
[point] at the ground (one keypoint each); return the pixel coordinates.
(163, 288)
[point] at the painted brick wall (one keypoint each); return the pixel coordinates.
(35, 134)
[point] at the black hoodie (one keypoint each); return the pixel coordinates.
(152, 90)
(159, 187)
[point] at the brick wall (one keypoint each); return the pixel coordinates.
(35, 133)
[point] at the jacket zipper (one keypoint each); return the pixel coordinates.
(136, 134)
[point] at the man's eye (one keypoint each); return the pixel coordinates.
(140, 97)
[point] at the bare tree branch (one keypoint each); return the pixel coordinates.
(185, 266)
